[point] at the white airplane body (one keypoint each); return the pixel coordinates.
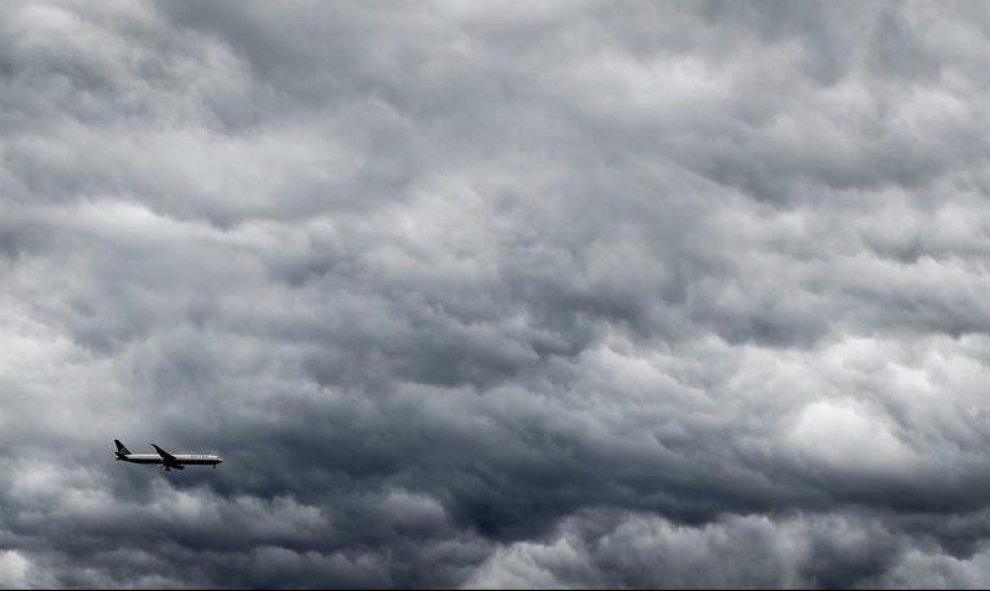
(165, 459)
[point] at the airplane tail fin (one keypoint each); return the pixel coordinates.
(121, 448)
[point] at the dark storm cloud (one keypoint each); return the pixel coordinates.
(564, 295)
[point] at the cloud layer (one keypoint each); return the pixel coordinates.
(576, 294)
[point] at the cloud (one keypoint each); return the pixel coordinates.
(799, 550)
(567, 295)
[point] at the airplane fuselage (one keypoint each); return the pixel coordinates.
(184, 459)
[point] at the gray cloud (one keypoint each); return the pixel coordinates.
(576, 294)
(800, 550)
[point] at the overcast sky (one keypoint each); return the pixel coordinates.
(488, 294)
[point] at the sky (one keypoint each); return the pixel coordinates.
(479, 294)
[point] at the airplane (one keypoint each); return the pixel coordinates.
(167, 460)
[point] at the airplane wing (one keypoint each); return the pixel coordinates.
(168, 459)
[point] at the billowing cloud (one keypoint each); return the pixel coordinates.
(576, 294)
